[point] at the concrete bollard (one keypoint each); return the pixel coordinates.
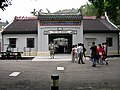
(55, 82)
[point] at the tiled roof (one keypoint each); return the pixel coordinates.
(98, 25)
(30, 26)
(22, 26)
(59, 17)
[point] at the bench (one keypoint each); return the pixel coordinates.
(11, 55)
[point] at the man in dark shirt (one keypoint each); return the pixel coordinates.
(93, 49)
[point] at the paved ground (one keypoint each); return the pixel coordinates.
(36, 74)
(58, 57)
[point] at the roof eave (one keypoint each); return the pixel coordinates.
(100, 31)
(19, 32)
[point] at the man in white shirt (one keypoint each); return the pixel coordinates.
(80, 53)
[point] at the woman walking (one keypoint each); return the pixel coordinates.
(104, 46)
(73, 53)
(100, 52)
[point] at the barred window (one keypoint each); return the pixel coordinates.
(109, 41)
(30, 42)
(12, 42)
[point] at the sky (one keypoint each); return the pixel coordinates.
(24, 7)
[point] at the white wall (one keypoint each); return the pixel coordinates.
(20, 41)
(43, 39)
(99, 38)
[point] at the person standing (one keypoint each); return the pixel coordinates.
(73, 53)
(94, 53)
(104, 46)
(84, 50)
(100, 52)
(80, 53)
(76, 53)
(52, 50)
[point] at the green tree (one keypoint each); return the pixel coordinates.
(99, 5)
(112, 7)
(89, 10)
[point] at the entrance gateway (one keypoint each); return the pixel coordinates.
(63, 42)
(63, 30)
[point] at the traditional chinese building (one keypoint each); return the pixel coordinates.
(33, 35)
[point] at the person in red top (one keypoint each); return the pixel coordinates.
(100, 52)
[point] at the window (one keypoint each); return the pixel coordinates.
(30, 42)
(109, 41)
(12, 42)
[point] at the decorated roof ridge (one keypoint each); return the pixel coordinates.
(60, 17)
(58, 14)
(24, 18)
(55, 15)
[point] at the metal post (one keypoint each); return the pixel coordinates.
(55, 82)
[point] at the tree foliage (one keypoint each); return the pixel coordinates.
(89, 10)
(112, 7)
(4, 3)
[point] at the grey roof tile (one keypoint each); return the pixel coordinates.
(98, 25)
(31, 25)
(59, 17)
(109, 25)
(22, 26)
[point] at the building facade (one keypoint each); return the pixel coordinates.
(99, 31)
(64, 30)
(33, 35)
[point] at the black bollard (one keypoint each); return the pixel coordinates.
(55, 82)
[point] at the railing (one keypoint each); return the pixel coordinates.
(27, 51)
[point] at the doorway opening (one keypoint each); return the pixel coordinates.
(63, 42)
